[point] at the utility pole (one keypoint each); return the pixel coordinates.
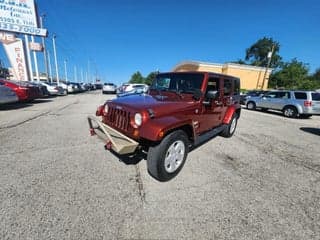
(55, 57)
(26, 39)
(44, 47)
(82, 78)
(35, 61)
(268, 64)
(50, 70)
(75, 74)
(65, 70)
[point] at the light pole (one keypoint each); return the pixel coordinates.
(44, 47)
(50, 70)
(55, 57)
(268, 64)
(65, 70)
(75, 74)
(26, 38)
(35, 61)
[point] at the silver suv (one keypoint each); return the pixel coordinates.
(292, 103)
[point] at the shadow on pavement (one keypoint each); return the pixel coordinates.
(14, 106)
(131, 159)
(36, 101)
(315, 131)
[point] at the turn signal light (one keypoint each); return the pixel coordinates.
(99, 110)
(161, 134)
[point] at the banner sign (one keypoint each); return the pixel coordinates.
(15, 53)
(20, 16)
(34, 46)
(7, 37)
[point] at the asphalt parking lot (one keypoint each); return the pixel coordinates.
(57, 182)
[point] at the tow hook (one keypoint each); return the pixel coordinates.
(92, 133)
(108, 145)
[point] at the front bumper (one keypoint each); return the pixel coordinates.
(112, 138)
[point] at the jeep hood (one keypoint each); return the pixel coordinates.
(160, 105)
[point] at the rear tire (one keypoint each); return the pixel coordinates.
(231, 127)
(290, 112)
(165, 160)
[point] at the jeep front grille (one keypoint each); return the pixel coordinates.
(119, 118)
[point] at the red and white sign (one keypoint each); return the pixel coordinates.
(15, 53)
(7, 37)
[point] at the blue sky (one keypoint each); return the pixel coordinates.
(115, 38)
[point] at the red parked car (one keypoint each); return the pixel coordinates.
(24, 90)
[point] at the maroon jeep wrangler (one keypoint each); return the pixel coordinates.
(180, 110)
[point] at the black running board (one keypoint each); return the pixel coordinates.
(210, 134)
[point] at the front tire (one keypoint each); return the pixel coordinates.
(231, 127)
(165, 160)
(251, 106)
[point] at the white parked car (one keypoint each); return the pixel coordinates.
(7, 95)
(133, 87)
(109, 88)
(53, 88)
(64, 86)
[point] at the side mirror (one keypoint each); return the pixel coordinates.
(197, 94)
(211, 94)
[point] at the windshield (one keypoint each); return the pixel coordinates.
(178, 82)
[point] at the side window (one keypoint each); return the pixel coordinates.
(213, 84)
(283, 95)
(236, 87)
(271, 95)
(227, 87)
(300, 95)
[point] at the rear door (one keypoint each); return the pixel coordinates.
(212, 108)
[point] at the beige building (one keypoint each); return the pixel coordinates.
(251, 77)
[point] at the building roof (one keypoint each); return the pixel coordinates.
(225, 65)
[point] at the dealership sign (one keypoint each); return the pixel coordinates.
(34, 46)
(7, 37)
(15, 53)
(20, 16)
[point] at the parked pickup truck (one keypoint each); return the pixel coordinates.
(180, 111)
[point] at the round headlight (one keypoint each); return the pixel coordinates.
(138, 119)
(106, 108)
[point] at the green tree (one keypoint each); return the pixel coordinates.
(150, 77)
(137, 78)
(257, 54)
(292, 75)
(316, 75)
